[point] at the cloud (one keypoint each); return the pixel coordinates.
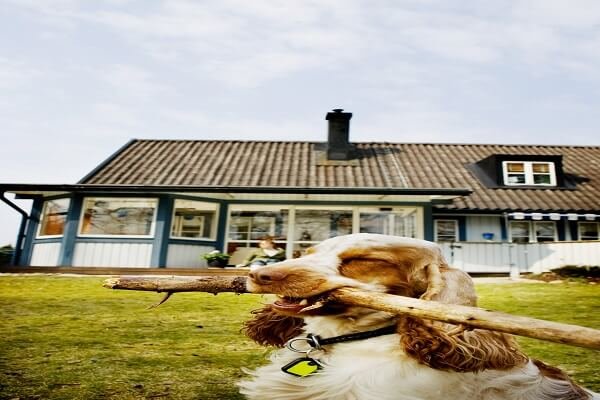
(132, 81)
(16, 74)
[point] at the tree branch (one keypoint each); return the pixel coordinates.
(472, 317)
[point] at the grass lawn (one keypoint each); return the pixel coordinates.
(69, 338)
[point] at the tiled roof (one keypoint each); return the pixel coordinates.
(379, 165)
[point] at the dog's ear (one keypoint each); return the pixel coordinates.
(269, 328)
(467, 351)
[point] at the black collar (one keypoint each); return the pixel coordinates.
(316, 341)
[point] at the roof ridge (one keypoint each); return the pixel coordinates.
(384, 142)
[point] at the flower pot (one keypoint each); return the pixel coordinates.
(217, 263)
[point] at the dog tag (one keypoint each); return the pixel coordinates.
(302, 367)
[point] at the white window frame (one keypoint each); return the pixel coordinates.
(580, 223)
(94, 235)
(535, 236)
(528, 172)
(531, 230)
(38, 234)
(510, 235)
(251, 208)
(435, 229)
(419, 228)
(213, 229)
(289, 241)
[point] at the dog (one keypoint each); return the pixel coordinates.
(333, 351)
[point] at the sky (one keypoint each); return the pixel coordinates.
(78, 79)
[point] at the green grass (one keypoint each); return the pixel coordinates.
(69, 338)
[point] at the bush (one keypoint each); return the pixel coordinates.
(216, 259)
(578, 271)
(6, 253)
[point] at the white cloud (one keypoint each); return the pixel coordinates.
(132, 81)
(15, 74)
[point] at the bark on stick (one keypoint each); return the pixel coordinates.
(472, 317)
(210, 284)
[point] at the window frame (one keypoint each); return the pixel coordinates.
(534, 230)
(529, 173)
(39, 234)
(456, 230)
(97, 235)
(213, 228)
(531, 229)
(580, 236)
(356, 210)
(510, 231)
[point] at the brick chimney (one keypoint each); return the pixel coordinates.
(338, 143)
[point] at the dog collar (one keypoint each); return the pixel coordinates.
(316, 342)
(307, 366)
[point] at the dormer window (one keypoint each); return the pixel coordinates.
(529, 173)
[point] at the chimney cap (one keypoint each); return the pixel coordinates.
(338, 114)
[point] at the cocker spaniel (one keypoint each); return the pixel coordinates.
(340, 352)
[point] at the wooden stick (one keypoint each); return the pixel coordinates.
(451, 313)
(473, 317)
(210, 284)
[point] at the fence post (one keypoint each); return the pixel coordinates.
(515, 272)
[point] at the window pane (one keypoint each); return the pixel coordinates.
(544, 231)
(390, 222)
(248, 226)
(446, 230)
(255, 225)
(516, 179)
(193, 219)
(519, 232)
(588, 231)
(541, 168)
(541, 179)
(319, 225)
(54, 217)
(515, 167)
(112, 216)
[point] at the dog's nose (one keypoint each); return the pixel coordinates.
(266, 275)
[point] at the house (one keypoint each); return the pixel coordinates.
(163, 203)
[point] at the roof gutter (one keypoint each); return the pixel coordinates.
(24, 218)
(35, 189)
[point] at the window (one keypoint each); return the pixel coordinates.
(389, 221)
(529, 173)
(315, 225)
(525, 232)
(118, 217)
(519, 231)
(545, 231)
(54, 216)
(249, 224)
(446, 230)
(588, 231)
(194, 220)
(296, 228)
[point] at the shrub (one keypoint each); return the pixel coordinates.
(216, 259)
(578, 271)
(6, 253)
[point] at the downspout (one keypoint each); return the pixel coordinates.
(24, 217)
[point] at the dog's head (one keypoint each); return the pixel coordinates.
(372, 262)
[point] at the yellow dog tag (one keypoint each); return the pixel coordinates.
(302, 367)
